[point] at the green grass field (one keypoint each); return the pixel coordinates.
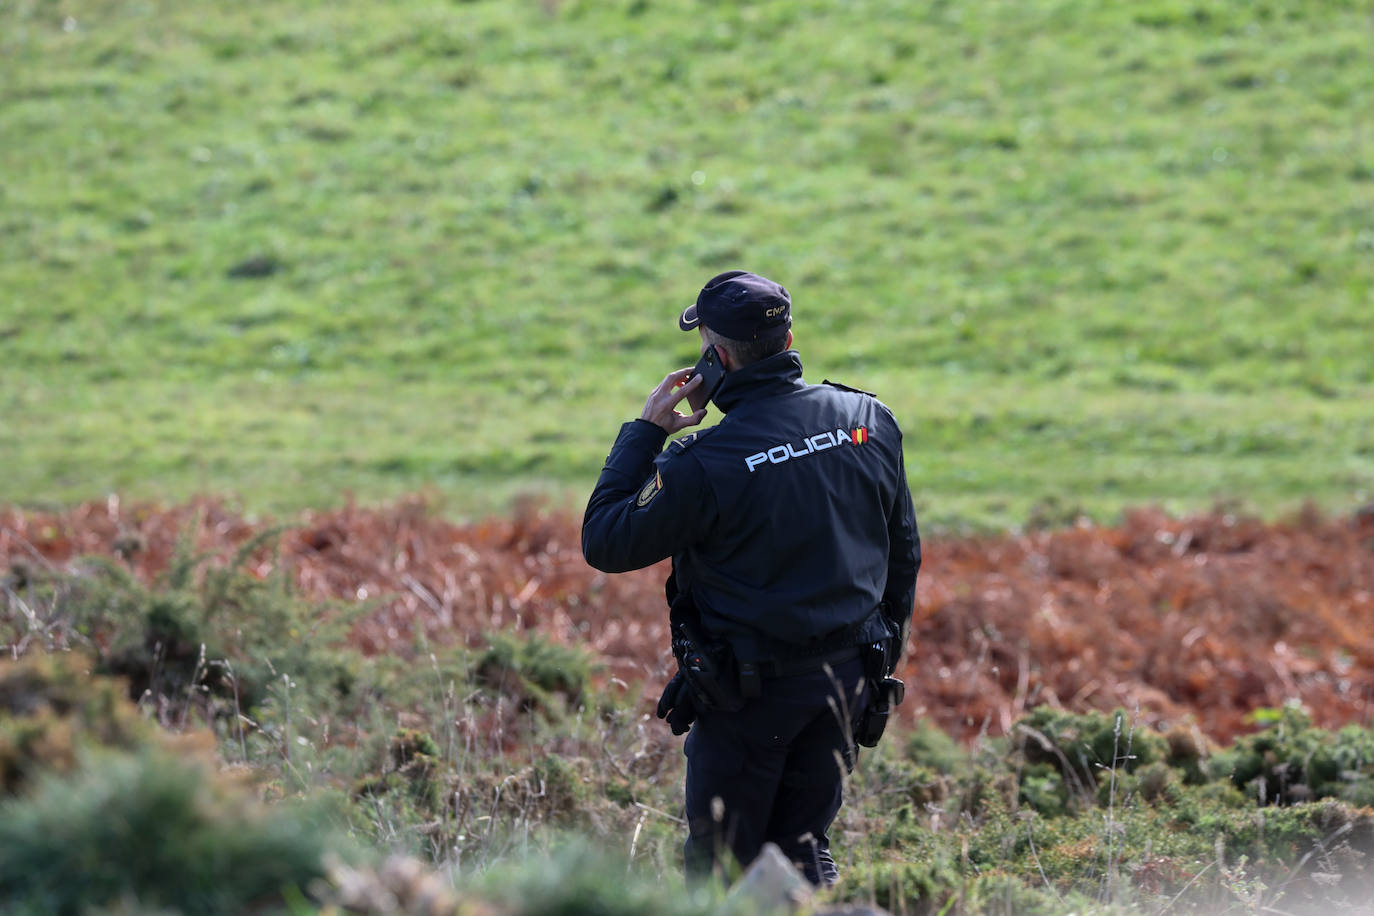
(1093, 255)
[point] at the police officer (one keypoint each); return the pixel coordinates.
(795, 553)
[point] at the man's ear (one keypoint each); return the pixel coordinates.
(788, 346)
(727, 361)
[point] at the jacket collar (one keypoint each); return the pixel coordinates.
(766, 378)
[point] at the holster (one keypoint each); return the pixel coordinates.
(707, 665)
(884, 691)
(882, 697)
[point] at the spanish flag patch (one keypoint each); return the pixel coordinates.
(651, 489)
(860, 435)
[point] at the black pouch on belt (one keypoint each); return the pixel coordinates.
(708, 665)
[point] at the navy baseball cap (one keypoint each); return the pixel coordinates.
(739, 305)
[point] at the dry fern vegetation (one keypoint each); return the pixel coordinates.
(379, 711)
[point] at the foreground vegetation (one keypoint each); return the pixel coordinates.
(1093, 253)
(246, 760)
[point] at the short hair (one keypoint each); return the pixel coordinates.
(745, 352)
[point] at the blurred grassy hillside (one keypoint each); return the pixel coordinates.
(1092, 254)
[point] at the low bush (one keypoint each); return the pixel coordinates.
(1000, 829)
(50, 707)
(157, 831)
(1291, 761)
(1069, 754)
(541, 674)
(579, 879)
(206, 634)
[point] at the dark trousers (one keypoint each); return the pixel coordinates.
(777, 768)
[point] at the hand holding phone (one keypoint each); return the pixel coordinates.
(712, 374)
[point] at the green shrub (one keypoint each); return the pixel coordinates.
(578, 879)
(542, 674)
(928, 745)
(1188, 753)
(1292, 762)
(206, 634)
(1083, 748)
(153, 831)
(922, 875)
(1000, 894)
(1042, 788)
(1157, 783)
(414, 765)
(896, 770)
(50, 707)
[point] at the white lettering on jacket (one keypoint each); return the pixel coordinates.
(809, 445)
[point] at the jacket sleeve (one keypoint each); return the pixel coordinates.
(644, 510)
(903, 557)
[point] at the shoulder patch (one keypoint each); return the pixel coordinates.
(681, 445)
(649, 491)
(847, 388)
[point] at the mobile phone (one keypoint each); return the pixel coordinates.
(712, 374)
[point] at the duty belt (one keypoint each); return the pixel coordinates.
(788, 667)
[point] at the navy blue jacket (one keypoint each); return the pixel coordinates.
(789, 521)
